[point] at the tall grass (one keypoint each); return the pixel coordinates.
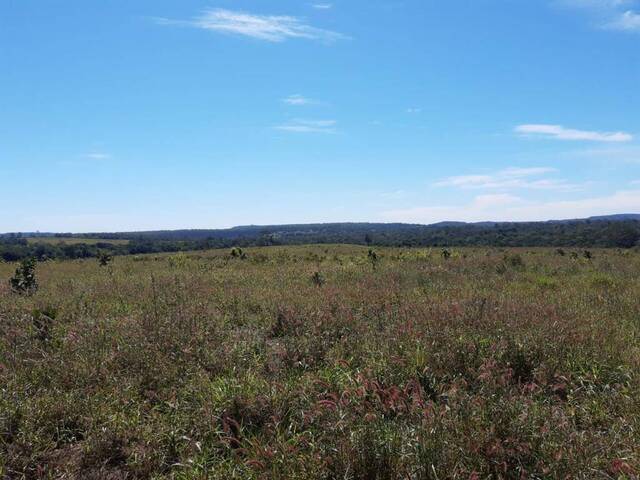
(485, 363)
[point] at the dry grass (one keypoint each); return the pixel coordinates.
(489, 364)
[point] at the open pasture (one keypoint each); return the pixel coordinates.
(324, 362)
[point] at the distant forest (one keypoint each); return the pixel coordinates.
(590, 233)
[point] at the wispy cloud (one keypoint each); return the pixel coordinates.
(322, 6)
(611, 14)
(300, 125)
(558, 132)
(298, 100)
(511, 179)
(272, 28)
(618, 154)
(629, 21)
(97, 156)
(395, 195)
(505, 207)
(414, 110)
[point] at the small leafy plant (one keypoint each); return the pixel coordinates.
(104, 258)
(373, 258)
(236, 252)
(318, 279)
(43, 322)
(24, 281)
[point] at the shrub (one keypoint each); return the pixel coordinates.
(104, 258)
(373, 258)
(43, 321)
(514, 261)
(318, 279)
(24, 281)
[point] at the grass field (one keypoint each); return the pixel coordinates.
(324, 363)
(74, 240)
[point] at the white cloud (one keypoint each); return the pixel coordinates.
(97, 156)
(300, 125)
(558, 132)
(629, 21)
(509, 208)
(509, 179)
(272, 28)
(526, 172)
(414, 110)
(610, 14)
(298, 100)
(322, 6)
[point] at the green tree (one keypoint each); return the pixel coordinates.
(24, 280)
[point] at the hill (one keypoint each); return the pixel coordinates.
(621, 231)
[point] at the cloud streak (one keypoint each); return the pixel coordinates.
(558, 132)
(300, 125)
(97, 156)
(271, 28)
(629, 21)
(510, 208)
(511, 179)
(298, 100)
(611, 14)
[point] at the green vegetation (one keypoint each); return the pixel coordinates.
(62, 240)
(24, 280)
(620, 233)
(305, 362)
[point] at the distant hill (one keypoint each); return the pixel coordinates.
(306, 229)
(622, 231)
(618, 217)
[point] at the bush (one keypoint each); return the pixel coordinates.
(318, 279)
(373, 258)
(43, 322)
(514, 261)
(104, 258)
(24, 280)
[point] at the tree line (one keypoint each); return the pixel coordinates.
(579, 234)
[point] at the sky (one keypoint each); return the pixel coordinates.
(121, 115)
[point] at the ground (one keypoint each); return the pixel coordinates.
(324, 362)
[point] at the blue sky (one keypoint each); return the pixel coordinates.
(126, 115)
